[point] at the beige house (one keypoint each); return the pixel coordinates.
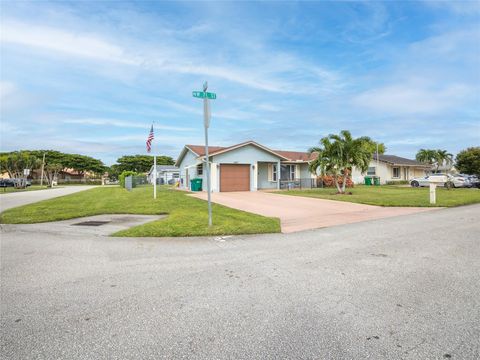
(391, 168)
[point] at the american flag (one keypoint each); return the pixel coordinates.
(150, 139)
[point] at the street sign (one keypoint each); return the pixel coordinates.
(204, 94)
(26, 172)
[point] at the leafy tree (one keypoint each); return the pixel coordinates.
(468, 161)
(83, 164)
(372, 145)
(139, 163)
(338, 154)
(15, 162)
(55, 161)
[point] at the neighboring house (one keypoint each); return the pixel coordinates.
(165, 173)
(391, 168)
(248, 166)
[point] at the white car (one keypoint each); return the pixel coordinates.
(457, 181)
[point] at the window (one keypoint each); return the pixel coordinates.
(274, 172)
(396, 172)
(287, 172)
(200, 169)
(372, 170)
(176, 176)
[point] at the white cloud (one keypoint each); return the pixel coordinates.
(6, 88)
(412, 98)
(281, 73)
(52, 39)
(124, 124)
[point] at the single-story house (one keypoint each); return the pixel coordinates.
(247, 166)
(391, 168)
(165, 173)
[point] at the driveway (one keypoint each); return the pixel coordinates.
(397, 288)
(11, 200)
(298, 213)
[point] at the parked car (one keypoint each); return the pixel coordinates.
(457, 181)
(7, 183)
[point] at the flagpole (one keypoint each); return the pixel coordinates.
(154, 173)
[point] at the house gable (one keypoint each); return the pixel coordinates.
(246, 154)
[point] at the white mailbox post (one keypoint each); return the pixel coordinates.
(434, 181)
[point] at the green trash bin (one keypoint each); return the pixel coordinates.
(196, 184)
(368, 180)
(376, 180)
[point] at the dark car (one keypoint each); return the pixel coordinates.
(7, 183)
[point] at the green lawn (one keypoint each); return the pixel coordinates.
(394, 195)
(187, 216)
(8, 190)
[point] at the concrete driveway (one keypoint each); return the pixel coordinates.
(11, 200)
(302, 213)
(398, 288)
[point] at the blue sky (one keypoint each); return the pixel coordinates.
(90, 77)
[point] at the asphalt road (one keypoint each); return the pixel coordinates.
(397, 288)
(11, 200)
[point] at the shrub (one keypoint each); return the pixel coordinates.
(397, 182)
(123, 175)
(329, 181)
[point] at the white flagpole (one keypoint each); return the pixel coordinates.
(154, 171)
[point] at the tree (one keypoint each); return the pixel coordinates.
(338, 154)
(15, 162)
(55, 161)
(468, 161)
(443, 158)
(426, 156)
(83, 164)
(435, 158)
(139, 163)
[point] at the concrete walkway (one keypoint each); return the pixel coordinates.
(8, 201)
(302, 213)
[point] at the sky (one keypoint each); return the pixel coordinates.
(91, 77)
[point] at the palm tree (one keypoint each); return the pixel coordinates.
(427, 156)
(338, 154)
(443, 158)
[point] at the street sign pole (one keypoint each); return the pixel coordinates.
(206, 96)
(206, 124)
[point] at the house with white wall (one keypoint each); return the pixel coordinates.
(391, 168)
(165, 174)
(248, 166)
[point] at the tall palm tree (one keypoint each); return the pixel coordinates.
(443, 158)
(338, 154)
(427, 156)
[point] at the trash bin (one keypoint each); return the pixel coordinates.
(376, 180)
(368, 180)
(196, 184)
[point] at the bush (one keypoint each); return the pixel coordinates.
(329, 181)
(123, 175)
(397, 182)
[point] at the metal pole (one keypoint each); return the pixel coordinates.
(376, 169)
(154, 176)
(43, 166)
(207, 162)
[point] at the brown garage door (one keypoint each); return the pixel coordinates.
(234, 177)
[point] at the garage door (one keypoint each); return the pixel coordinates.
(234, 177)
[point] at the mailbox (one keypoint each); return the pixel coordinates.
(437, 179)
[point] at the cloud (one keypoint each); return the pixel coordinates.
(124, 124)
(413, 98)
(278, 74)
(52, 39)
